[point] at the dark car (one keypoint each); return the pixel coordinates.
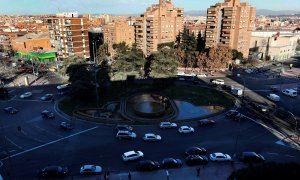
(232, 113)
(259, 107)
(47, 97)
(195, 151)
(124, 128)
(206, 122)
(148, 165)
(251, 157)
(66, 126)
(171, 163)
(193, 160)
(53, 171)
(47, 114)
(10, 110)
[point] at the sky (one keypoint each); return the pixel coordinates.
(20, 7)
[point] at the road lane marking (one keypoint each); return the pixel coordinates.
(272, 153)
(9, 140)
(49, 143)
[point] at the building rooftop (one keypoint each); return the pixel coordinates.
(34, 36)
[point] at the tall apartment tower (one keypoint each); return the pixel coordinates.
(161, 23)
(69, 35)
(230, 24)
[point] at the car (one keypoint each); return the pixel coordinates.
(171, 163)
(201, 75)
(249, 71)
(47, 114)
(218, 81)
(195, 151)
(167, 125)
(90, 170)
(259, 107)
(290, 92)
(232, 113)
(66, 126)
(10, 110)
(192, 160)
(125, 135)
(26, 95)
(251, 157)
(206, 122)
(148, 165)
(132, 155)
(47, 97)
(151, 137)
(53, 171)
(219, 157)
(186, 129)
(124, 128)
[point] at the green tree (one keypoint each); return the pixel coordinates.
(200, 43)
(102, 53)
(237, 55)
(69, 61)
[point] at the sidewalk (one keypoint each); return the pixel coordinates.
(212, 171)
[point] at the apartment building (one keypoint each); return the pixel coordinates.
(230, 24)
(69, 35)
(6, 39)
(161, 23)
(32, 42)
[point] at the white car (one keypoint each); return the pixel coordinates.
(201, 75)
(151, 137)
(218, 81)
(290, 92)
(165, 125)
(132, 155)
(186, 129)
(249, 71)
(219, 157)
(26, 95)
(90, 169)
(126, 135)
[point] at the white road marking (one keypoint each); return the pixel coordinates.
(12, 150)
(272, 153)
(49, 143)
(56, 111)
(13, 142)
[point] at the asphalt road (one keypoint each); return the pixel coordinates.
(42, 142)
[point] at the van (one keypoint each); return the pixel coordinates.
(274, 97)
(290, 92)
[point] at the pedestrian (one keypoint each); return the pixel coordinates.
(129, 176)
(104, 175)
(198, 172)
(107, 175)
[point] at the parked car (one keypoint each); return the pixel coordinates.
(90, 170)
(186, 129)
(201, 75)
(290, 92)
(125, 135)
(251, 157)
(66, 126)
(151, 137)
(192, 160)
(206, 122)
(171, 163)
(148, 165)
(219, 157)
(274, 97)
(132, 155)
(259, 107)
(167, 125)
(10, 110)
(124, 128)
(218, 81)
(26, 95)
(47, 114)
(53, 172)
(195, 151)
(47, 97)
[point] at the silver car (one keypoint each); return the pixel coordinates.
(151, 137)
(167, 125)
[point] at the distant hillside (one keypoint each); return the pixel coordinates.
(265, 12)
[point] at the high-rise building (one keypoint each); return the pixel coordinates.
(69, 35)
(230, 24)
(161, 23)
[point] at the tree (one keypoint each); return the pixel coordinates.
(78, 72)
(102, 53)
(69, 61)
(200, 43)
(237, 55)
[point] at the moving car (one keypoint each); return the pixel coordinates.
(274, 97)
(132, 155)
(219, 157)
(26, 95)
(124, 128)
(196, 160)
(167, 125)
(186, 129)
(151, 137)
(218, 81)
(251, 157)
(195, 151)
(47, 97)
(290, 92)
(66, 126)
(206, 122)
(148, 165)
(10, 110)
(53, 171)
(171, 163)
(47, 114)
(90, 170)
(125, 135)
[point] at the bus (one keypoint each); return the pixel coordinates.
(63, 89)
